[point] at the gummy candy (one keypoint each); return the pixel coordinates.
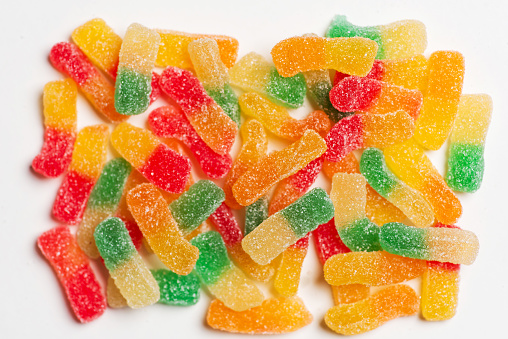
(410, 73)
(278, 165)
(160, 229)
(216, 129)
(88, 158)
(465, 153)
(60, 120)
(273, 316)
(254, 73)
(255, 214)
(451, 245)
(277, 119)
(74, 272)
(288, 274)
(223, 279)
(180, 290)
(114, 296)
(367, 314)
(125, 265)
(397, 40)
(162, 166)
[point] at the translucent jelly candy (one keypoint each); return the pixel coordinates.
(367, 130)
(355, 94)
(467, 140)
(397, 40)
(273, 316)
(74, 272)
(216, 129)
(254, 147)
(223, 279)
(278, 165)
(60, 120)
(114, 296)
(407, 199)
(103, 202)
(169, 122)
(446, 75)
(254, 73)
(174, 47)
(409, 162)
(160, 229)
(300, 54)
(367, 314)
(410, 73)
(88, 158)
(286, 227)
(349, 199)
(213, 74)
(130, 273)
(68, 59)
(255, 214)
(162, 166)
(178, 290)
(287, 278)
(451, 245)
(277, 119)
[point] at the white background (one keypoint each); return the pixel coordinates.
(31, 300)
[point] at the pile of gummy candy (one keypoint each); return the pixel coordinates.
(388, 218)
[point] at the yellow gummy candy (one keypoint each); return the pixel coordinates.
(133, 143)
(60, 105)
(346, 294)
(402, 39)
(113, 295)
(209, 68)
(139, 49)
(440, 289)
(90, 151)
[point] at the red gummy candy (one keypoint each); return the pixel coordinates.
(56, 153)
(72, 197)
(156, 88)
(344, 137)
(328, 242)
(354, 94)
(226, 224)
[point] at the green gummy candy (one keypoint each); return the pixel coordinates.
(407, 241)
(361, 236)
(213, 257)
(309, 211)
(373, 168)
(109, 187)
(132, 93)
(114, 242)
(320, 94)
(177, 290)
(228, 101)
(465, 167)
(288, 92)
(195, 206)
(255, 214)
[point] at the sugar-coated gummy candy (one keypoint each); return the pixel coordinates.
(160, 229)
(273, 316)
(162, 166)
(177, 290)
(88, 158)
(125, 265)
(253, 73)
(367, 314)
(74, 272)
(255, 214)
(287, 278)
(410, 73)
(278, 165)
(223, 279)
(114, 296)
(397, 40)
(216, 129)
(60, 124)
(467, 142)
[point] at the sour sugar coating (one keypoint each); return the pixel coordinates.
(287, 279)
(88, 158)
(160, 229)
(74, 272)
(367, 130)
(366, 95)
(467, 142)
(223, 279)
(162, 166)
(277, 120)
(410, 73)
(125, 265)
(68, 59)
(451, 245)
(253, 73)
(213, 74)
(177, 290)
(408, 200)
(254, 147)
(114, 296)
(170, 122)
(441, 100)
(352, 56)
(255, 214)
(367, 314)
(216, 129)
(60, 124)
(103, 203)
(397, 40)
(273, 316)
(278, 165)
(349, 197)
(408, 162)
(287, 226)
(174, 48)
